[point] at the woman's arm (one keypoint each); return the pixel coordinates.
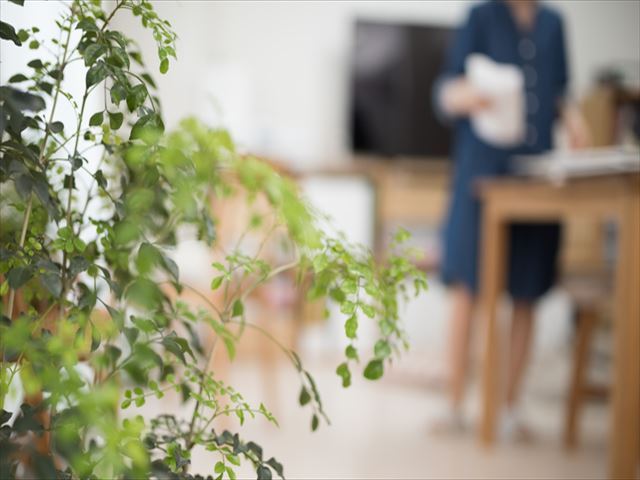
(453, 95)
(578, 131)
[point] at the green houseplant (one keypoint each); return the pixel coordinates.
(82, 236)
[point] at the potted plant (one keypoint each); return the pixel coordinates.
(87, 278)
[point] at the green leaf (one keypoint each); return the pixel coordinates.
(113, 353)
(56, 127)
(136, 56)
(171, 267)
(337, 295)
(132, 335)
(145, 293)
(304, 397)
(22, 100)
(100, 179)
(18, 2)
(36, 64)
(17, 78)
(96, 119)
(238, 308)
(164, 67)
(368, 310)
(348, 307)
(18, 276)
(136, 97)
(76, 162)
(147, 78)
(52, 283)
(231, 473)
(7, 32)
(56, 74)
(115, 120)
(118, 58)
(230, 345)
(173, 346)
(374, 370)
(382, 349)
(87, 25)
(216, 282)
(315, 421)
(96, 74)
(351, 326)
(23, 35)
(264, 473)
(34, 44)
(117, 93)
(256, 449)
(351, 352)
(95, 339)
(277, 466)
(24, 186)
(349, 286)
(345, 374)
(92, 53)
(148, 128)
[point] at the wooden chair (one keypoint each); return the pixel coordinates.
(591, 298)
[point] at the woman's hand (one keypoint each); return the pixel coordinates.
(577, 129)
(459, 97)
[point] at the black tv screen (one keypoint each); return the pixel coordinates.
(394, 67)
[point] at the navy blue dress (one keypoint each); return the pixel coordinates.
(540, 53)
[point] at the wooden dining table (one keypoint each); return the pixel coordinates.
(610, 197)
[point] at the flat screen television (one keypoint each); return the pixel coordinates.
(394, 67)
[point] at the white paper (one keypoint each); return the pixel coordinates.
(501, 124)
(559, 165)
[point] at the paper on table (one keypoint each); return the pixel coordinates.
(502, 124)
(558, 165)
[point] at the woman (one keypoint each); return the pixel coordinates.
(530, 36)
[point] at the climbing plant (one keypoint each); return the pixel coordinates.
(90, 212)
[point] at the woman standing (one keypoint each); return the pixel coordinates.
(530, 36)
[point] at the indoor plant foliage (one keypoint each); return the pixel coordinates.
(86, 279)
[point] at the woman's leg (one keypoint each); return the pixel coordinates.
(459, 341)
(521, 336)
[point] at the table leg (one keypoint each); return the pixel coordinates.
(625, 432)
(493, 269)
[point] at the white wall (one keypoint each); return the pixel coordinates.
(279, 70)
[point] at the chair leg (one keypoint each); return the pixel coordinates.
(586, 318)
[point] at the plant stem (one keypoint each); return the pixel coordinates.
(266, 333)
(106, 22)
(43, 144)
(65, 278)
(192, 423)
(272, 273)
(23, 235)
(199, 294)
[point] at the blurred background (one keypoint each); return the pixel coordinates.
(338, 94)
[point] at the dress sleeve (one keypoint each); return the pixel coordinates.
(465, 42)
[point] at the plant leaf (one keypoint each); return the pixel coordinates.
(374, 369)
(7, 32)
(304, 397)
(115, 120)
(96, 119)
(96, 73)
